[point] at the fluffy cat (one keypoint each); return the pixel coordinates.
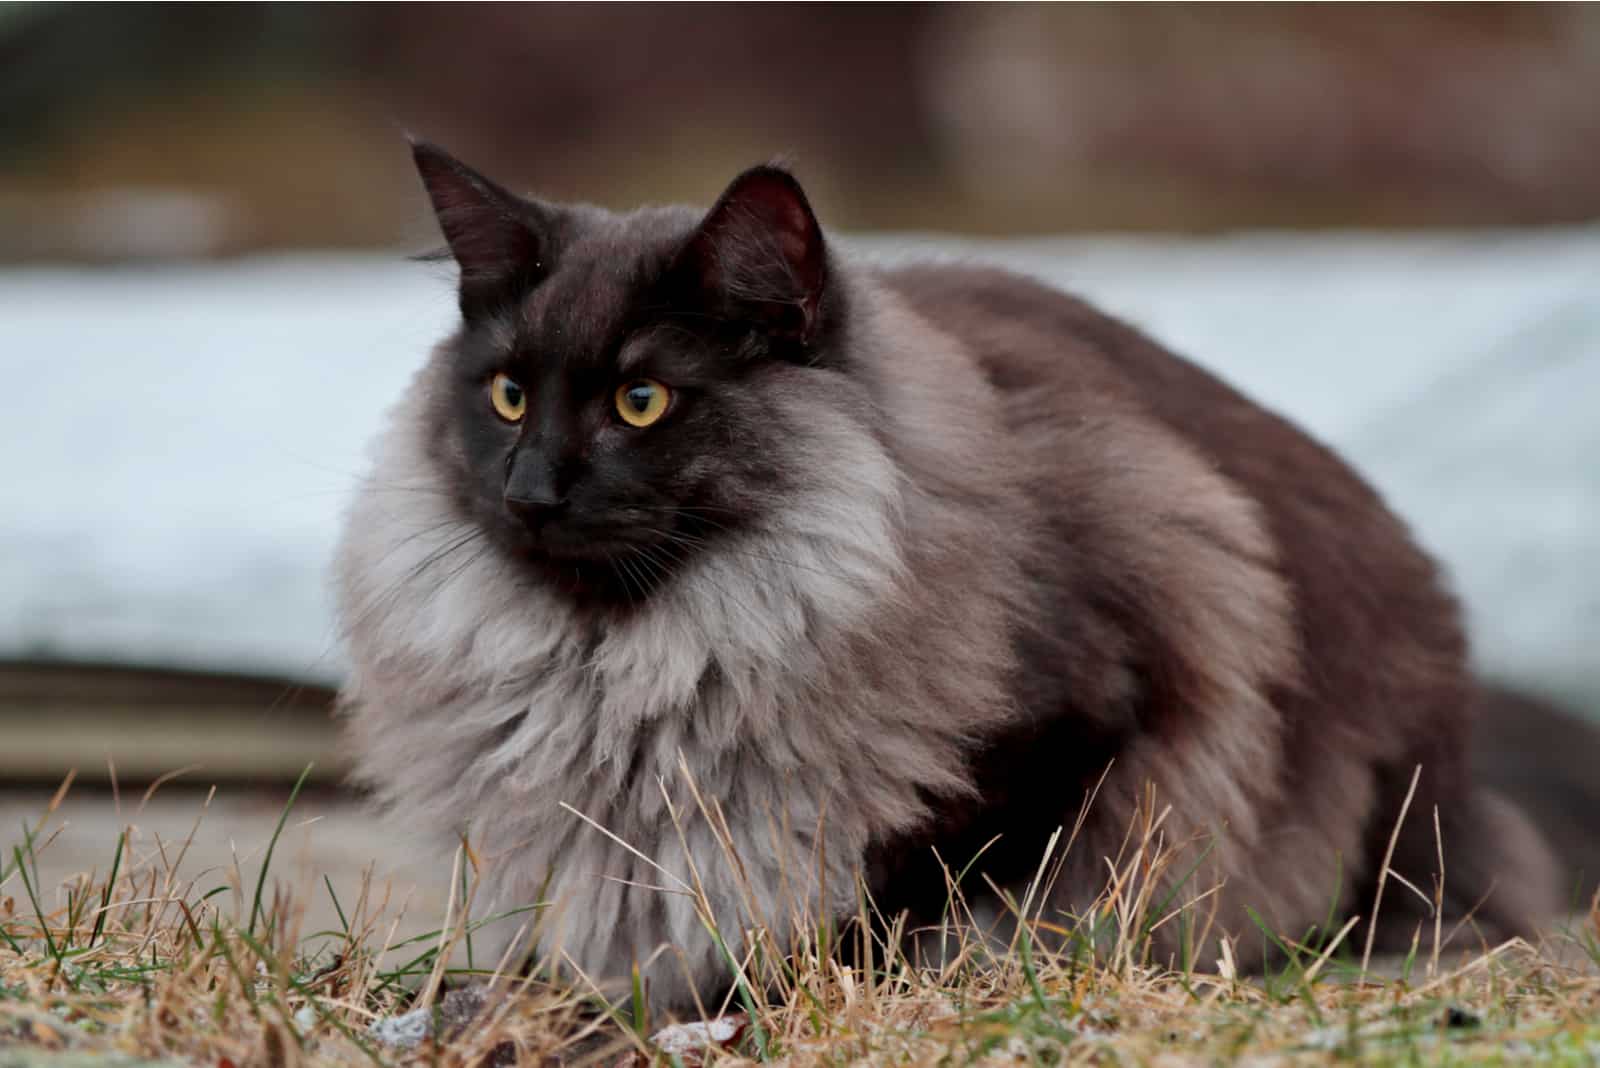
(741, 549)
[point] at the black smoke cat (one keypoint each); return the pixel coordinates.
(876, 561)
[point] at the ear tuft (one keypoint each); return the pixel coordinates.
(759, 254)
(494, 235)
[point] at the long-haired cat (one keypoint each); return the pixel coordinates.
(704, 570)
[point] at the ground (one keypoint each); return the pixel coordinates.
(200, 946)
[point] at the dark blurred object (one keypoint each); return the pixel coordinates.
(279, 123)
(1543, 758)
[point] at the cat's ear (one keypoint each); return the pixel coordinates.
(496, 237)
(759, 255)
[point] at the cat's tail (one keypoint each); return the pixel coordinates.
(1547, 762)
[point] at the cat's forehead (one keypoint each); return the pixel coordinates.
(599, 284)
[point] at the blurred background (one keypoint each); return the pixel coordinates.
(185, 130)
(1378, 219)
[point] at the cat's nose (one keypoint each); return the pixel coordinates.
(535, 511)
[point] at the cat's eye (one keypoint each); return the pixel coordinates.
(642, 401)
(510, 403)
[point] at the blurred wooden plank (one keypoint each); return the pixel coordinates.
(59, 717)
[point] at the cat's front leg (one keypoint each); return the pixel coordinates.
(738, 880)
(685, 902)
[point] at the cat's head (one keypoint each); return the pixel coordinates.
(626, 391)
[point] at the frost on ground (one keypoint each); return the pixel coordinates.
(179, 442)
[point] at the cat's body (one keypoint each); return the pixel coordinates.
(918, 554)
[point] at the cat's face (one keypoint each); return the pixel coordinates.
(623, 392)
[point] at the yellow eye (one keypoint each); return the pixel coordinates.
(642, 402)
(508, 399)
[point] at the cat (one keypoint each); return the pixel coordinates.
(704, 571)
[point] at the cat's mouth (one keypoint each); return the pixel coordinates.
(577, 548)
(621, 576)
(597, 565)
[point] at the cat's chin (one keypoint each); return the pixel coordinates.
(601, 572)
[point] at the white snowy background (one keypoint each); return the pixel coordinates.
(179, 442)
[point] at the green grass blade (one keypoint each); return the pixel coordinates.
(108, 889)
(272, 844)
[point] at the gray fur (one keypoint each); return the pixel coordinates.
(824, 671)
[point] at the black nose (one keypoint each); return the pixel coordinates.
(535, 512)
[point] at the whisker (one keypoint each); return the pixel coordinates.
(693, 541)
(752, 618)
(385, 601)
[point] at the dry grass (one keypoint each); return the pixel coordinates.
(143, 960)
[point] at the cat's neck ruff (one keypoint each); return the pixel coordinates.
(424, 588)
(452, 640)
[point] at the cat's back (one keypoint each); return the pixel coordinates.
(1368, 604)
(1053, 356)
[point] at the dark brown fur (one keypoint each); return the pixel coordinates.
(1380, 685)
